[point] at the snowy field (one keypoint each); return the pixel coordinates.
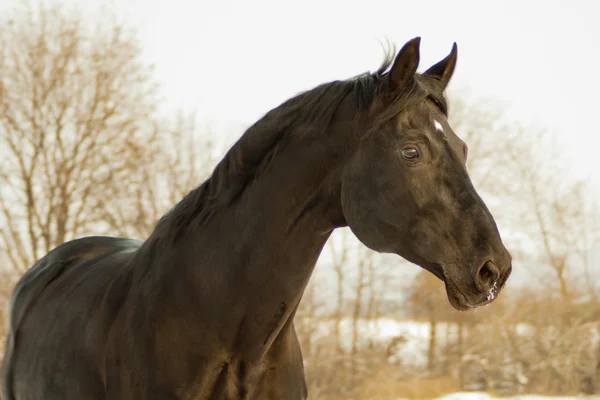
(413, 350)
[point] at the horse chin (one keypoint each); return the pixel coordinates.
(457, 302)
(456, 298)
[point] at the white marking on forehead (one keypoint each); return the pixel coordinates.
(438, 126)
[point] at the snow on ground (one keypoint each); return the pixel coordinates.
(413, 350)
(486, 396)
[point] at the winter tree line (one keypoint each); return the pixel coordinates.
(85, 149)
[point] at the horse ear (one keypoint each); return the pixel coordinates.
(405, 64)
(443, 70)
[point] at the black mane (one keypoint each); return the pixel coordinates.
(313, 109)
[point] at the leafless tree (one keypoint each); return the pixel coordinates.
(77, 107)
(340, 248)
(7, 280)
(558, 215)
(182, 160)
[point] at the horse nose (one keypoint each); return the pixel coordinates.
(487, 275)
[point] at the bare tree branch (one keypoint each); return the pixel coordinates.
(77, 116)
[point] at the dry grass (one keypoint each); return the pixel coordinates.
(385, 385)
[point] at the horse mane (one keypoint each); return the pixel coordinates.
(312, 109)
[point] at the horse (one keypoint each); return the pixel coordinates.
(204, 307)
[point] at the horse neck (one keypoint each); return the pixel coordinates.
(288, 212)
(252, 261)
(282, 219)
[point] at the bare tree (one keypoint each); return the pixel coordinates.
(364, 281)
(491, 140)
(339, 247)
(427, 300)
(558, 215)
(76, 115)
(7, 280)
(182, 159)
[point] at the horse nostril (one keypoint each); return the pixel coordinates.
(488, 274)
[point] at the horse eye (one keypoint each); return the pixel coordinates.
(410, 153)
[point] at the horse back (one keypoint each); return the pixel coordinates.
(46, 271)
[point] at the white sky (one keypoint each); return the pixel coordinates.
(234, 60)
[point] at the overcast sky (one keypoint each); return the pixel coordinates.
(232, 61)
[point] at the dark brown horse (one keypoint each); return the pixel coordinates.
(203, 309)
